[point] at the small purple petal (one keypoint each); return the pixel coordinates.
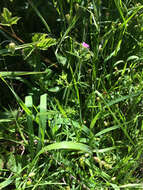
(85, 45)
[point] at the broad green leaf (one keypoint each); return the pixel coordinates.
(46, 42)
(62, 145)
(13, 164)
(5, 120)
(5, 183)
(38, 36)
(65, 145)
(42, 120)
(43, 41)
(61, 59)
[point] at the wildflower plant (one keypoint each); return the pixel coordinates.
(71, 94)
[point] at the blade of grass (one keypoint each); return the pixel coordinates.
(40, 16)
(21, 103)
(61, 145)
(65, 145)
(6, 183)
(116, 119)
(66, 32)
(61, 109)
(134, 185)
(122, 98)
(42, 121)
(29, 104)
(118, 4)
(92, 124)
(14, 74)
(107, 130)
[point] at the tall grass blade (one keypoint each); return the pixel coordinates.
(66, 32)
(21, 103)
(63, 145)
(61, 109)
(93, 122)
(39, 15)
(104, 131)
(116, 119)
(14, 74)
(29, 104)
(42, 120)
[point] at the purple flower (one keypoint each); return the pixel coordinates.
(85, 45)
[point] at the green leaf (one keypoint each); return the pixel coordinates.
(133, 57)
(133, 185)
(92, 124)
(62, 145)
(107, 130)
(55, 89)
(11, 164)
(62, 60)
(1, 162)
(7, 19)
(14, 20)
(19, 73)
(29, 105)
(21, 103)
(61, 109)
(109, 149)
(6, 183)
(65, 145)
(6, 14)
(43, 41)
(42, 120)
(122, 98)
(44, 44)
(115, 186)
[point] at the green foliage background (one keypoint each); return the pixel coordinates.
(71, 116)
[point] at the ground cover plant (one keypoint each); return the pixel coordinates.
(71, 89)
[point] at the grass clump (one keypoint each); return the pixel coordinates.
(71, 94)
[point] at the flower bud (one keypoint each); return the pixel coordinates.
(11, 47)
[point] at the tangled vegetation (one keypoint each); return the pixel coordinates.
(71, 94)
